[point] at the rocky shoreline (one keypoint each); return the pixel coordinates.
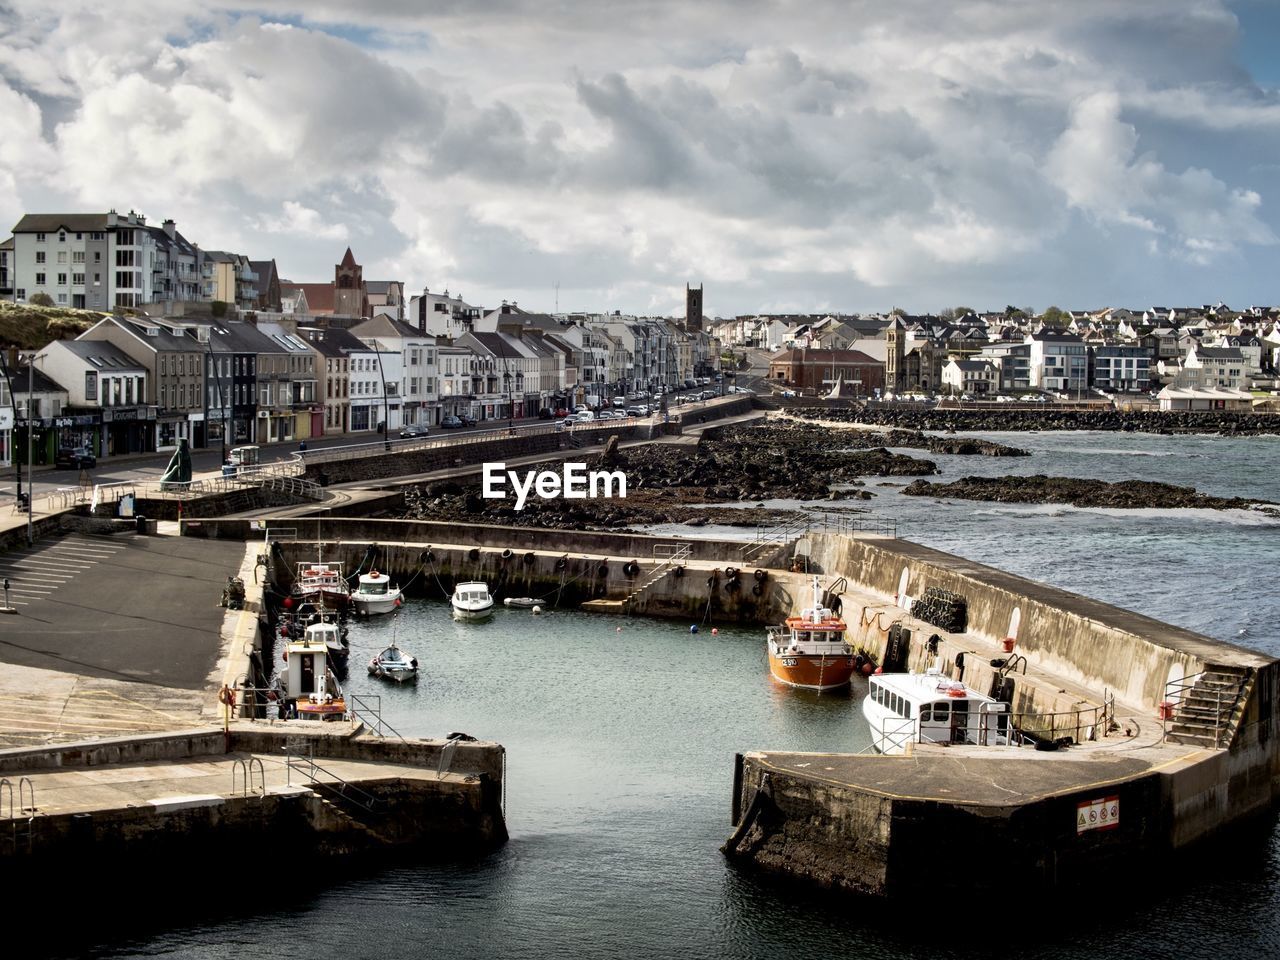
(669, 482)
(1129, 494)
(926, 417)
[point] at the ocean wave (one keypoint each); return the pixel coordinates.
(1238, 518)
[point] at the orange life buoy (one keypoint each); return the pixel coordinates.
(227, 696)
(373, 573)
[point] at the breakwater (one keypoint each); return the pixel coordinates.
(927, 417)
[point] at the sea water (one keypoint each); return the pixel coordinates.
(621, 734)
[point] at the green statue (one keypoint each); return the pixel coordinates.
(179, 469)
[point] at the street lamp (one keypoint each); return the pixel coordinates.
(386, 417)
(222, 410)
(31, 390)
(14, 404)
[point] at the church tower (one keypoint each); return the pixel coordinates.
(894, 336)
(349, 299)
(693, 309)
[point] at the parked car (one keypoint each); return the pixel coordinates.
(451, 422)
(75, 458)
(413, 430)
(1033, 398)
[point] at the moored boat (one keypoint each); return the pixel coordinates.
(375, 593)
(523, 603)
(394, 664)
(324, 628)
(906, 708)
(472, 600)
(311, 690)
(323, 584)
(811, 650)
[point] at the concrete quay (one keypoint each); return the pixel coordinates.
(307, 791)
(1137, 789)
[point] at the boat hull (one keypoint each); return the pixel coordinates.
(332, 599)
(812, 671)
(469, 613)
(370, 606)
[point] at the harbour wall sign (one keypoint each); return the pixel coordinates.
(1101, 814)
(574, 482)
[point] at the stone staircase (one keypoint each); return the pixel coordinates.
(1209, 712)
(635, 601)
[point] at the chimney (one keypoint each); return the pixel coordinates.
(112, 218)
(170, 228)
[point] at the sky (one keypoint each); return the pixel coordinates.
(788, 155)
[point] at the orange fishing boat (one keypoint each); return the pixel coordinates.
(811, 650)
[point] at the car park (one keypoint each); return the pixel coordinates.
(75, 458)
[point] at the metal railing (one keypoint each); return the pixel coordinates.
(1083, 722)
(371, 713)
(305, 764)
(1176, 690)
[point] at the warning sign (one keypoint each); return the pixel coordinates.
(1098, 814)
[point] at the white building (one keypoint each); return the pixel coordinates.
(371, 407)
(419, 388)
(1059, 362)
(98, 261)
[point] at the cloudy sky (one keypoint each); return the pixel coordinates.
(789, 154)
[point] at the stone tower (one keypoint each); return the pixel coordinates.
(693, 308)
(348, 288)
(894, 335)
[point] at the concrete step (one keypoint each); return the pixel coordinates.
(1197, 739)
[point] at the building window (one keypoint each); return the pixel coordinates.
(62, 298)
(90, 386)
(62, 237)
(62, 279)
(39, 279)
(39, 256)
(62, 256)
(39, 238)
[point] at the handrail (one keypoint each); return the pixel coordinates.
(357, 703)
(6, 784)
(247, 767)
(31, 790)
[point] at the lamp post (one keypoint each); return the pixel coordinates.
(4, 366)
(386, 417)
(31, 390)
(222, 410)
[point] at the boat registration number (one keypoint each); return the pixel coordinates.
(789, 661)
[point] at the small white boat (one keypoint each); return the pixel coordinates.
(376, 594)
(523, 603)
(472, 600)
(394, 664)
(906, 708)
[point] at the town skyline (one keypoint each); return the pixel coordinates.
(849, 161)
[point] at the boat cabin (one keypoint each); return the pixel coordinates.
(903, 708)
(321, 576)
(374, 584)
(471, 593)
(823, 635)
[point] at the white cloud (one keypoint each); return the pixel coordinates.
(836, 154)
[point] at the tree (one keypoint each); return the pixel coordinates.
(1054, 317)
(40, 299)
(897, 312)
(955, 313)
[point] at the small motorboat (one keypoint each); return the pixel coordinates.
(472, 600)
(394, 664)
(523, 603)
(376, 594)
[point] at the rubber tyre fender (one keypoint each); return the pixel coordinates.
(474, 553)
(761, 576)
(507, 554)
(529, 557)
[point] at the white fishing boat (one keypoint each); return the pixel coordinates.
(472, 600)
(311, 690)
(324, 628)
(523, 603)
(375, 593)
(394, 664)
(907, 708)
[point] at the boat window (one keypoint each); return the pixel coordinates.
(926, 713)
(941, 712)
(375, 588)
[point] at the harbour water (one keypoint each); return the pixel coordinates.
(621, 742)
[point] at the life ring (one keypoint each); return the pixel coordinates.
(761, 576)
(227, 696)
(529, 557)
(373, 573)
(474, 553)
(506, 554)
